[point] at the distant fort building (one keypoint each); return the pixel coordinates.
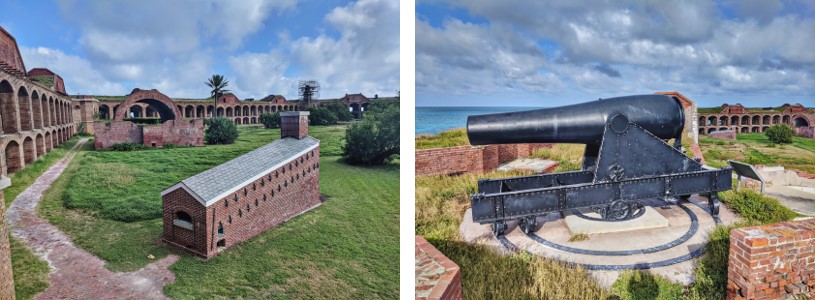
(755, 120)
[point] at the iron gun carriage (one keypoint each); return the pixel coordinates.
(627, 158)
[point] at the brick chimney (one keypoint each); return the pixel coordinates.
(294, 124)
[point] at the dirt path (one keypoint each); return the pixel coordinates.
(75, 273)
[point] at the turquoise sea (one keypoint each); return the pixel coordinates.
(435, 119)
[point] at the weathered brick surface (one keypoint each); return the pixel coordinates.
(805, 131)
(470, 159)
(294, 124)
(772, 261)
(258, 206)
(724, 135)
(437, 277)
(10, 58)
(6, 279)
(177, 132)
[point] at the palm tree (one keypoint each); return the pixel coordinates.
(217, 83)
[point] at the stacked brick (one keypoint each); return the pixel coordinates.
(437, 277)
(6, 279)
(772, 261)
(470, 159)
(724, 135)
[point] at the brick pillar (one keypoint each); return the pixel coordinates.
(772, 261)
(6, 279)
(294, 124)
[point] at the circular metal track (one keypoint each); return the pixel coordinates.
(639, 266)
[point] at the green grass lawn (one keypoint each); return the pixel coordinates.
(755, 148)
(346, 248)
(449, 138)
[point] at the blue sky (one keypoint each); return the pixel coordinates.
(262, 47)
(549, 53)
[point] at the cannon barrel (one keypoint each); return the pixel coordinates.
(582, 123)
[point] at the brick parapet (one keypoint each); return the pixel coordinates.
(176, 132)
(437, 277)
(470, 159)
(772, 261)
(724, 135)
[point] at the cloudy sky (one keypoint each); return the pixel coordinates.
(262, 47)
(548, 53)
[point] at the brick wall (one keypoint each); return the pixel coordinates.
(437, 277)
(805, 132)
(294, 124)
(177, 132)
(470, 159)
(772, 261)
(258, 206)
(724, 134)
(6, 279)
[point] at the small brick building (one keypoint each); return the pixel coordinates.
(246, 196)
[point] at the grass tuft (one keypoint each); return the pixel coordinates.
(579, 237)
(636, 285)
(449, 138)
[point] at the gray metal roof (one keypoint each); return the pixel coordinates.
(222, 180)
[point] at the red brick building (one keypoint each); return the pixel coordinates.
(246, 196)
(742, 119)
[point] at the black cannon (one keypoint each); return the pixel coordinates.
(627, 159)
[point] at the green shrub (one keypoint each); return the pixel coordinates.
(755, 207)
(375, 139)
(270, 120)
(128, 146)
(220, 130)
(321, 116)
(780, 134)
(340, 110)
(635, 285)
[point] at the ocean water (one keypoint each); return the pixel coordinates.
(435, 119)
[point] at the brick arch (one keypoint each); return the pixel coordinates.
(49, 144)
(54, 138)
(13, 162)
(797, 123)
(164, 105)
(29, 150)
(8, 108)
(36, 105)
(40, 144)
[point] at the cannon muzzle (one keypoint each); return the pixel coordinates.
(582, 123)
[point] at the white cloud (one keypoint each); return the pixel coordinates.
(79, 76)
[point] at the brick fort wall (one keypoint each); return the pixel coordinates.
(6, 279)
(724, 135)
(177, 132)
(470, 159)
(772, 261)
(256, 207)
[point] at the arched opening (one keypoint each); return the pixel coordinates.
(49, 144)
(711, 121)
(183, 220)
(745, 120)
(151, 112)
(220, 111)
(229, 112)
(702, 121)
(246, 110)
(104, 112)
(356, 110)
(785, 120)
(765, 120)
(8, 109)
(220, 229)
(254, 111)
(245, 120)
(29, 151)
(253, 120)
(13, 162)
(754, 130)
(755, 121)
(722, 121)
(238, 121)
(723, 129)
(40, 146)
(189, 111)
(274, 108)
(45, 117)
(701, 131)
(210, 109)
(744, 129)
(199, 111)
(36, 105)
(159, 110)
(709, 130)
(776, 119)
(801, 122)
(764, 129)
(135, 112)
(734, 120)
(54, 139)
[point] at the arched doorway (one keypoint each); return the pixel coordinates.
(49, 144)
(36, 105)
(135, 112)
(29, 151)
(13, 161)
(220, 111)
(40, 146)
(801, 122)
(8, 109)
(104, 112)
